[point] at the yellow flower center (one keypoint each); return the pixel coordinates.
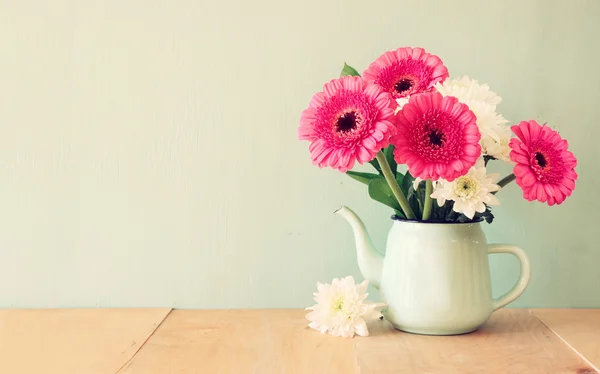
(338, 304)
(466, 187)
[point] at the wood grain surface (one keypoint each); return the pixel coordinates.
(73, 341)
(579, 328)
(250, 341)
(278, 341)
(512, 341)
(149, 341)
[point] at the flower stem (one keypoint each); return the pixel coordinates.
(391, 180)
(506, 180)
(428, 200)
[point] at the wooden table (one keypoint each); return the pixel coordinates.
(164, 341)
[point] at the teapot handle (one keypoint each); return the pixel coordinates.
(524, 278)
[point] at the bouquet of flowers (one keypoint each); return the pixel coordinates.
(405, 110)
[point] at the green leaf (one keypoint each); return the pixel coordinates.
(487, 215)
(437, 212)
(463, 219)
(487, 159)
(380, 191)
(399, 214)
(416, 205)
(349, 70)
(363, 177)
(414, 200)
(407, 182)
(375, 164)
(389, 156)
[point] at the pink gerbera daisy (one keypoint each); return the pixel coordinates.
(406, 71)
(545, 169)
(436, 137)
(351, 120)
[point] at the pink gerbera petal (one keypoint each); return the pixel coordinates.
(348, 122)
(544, 166)
(437, 137)
(406, 71)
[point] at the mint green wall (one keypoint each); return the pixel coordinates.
(148, 152)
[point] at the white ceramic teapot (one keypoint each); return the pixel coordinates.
(435, 277)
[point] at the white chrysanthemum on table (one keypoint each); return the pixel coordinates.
(469, 192)
(342, 309)
(482, 101)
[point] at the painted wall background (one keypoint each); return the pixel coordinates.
(148, 152)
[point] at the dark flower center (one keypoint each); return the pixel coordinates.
(541, 160)
(436, 138)
(347, 122)
(403, 85)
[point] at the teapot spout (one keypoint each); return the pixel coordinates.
(370, 261)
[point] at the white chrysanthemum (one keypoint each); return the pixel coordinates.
(482, 102)
(470, 192)
(342, 308)
(497, 145)
(468, 88)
